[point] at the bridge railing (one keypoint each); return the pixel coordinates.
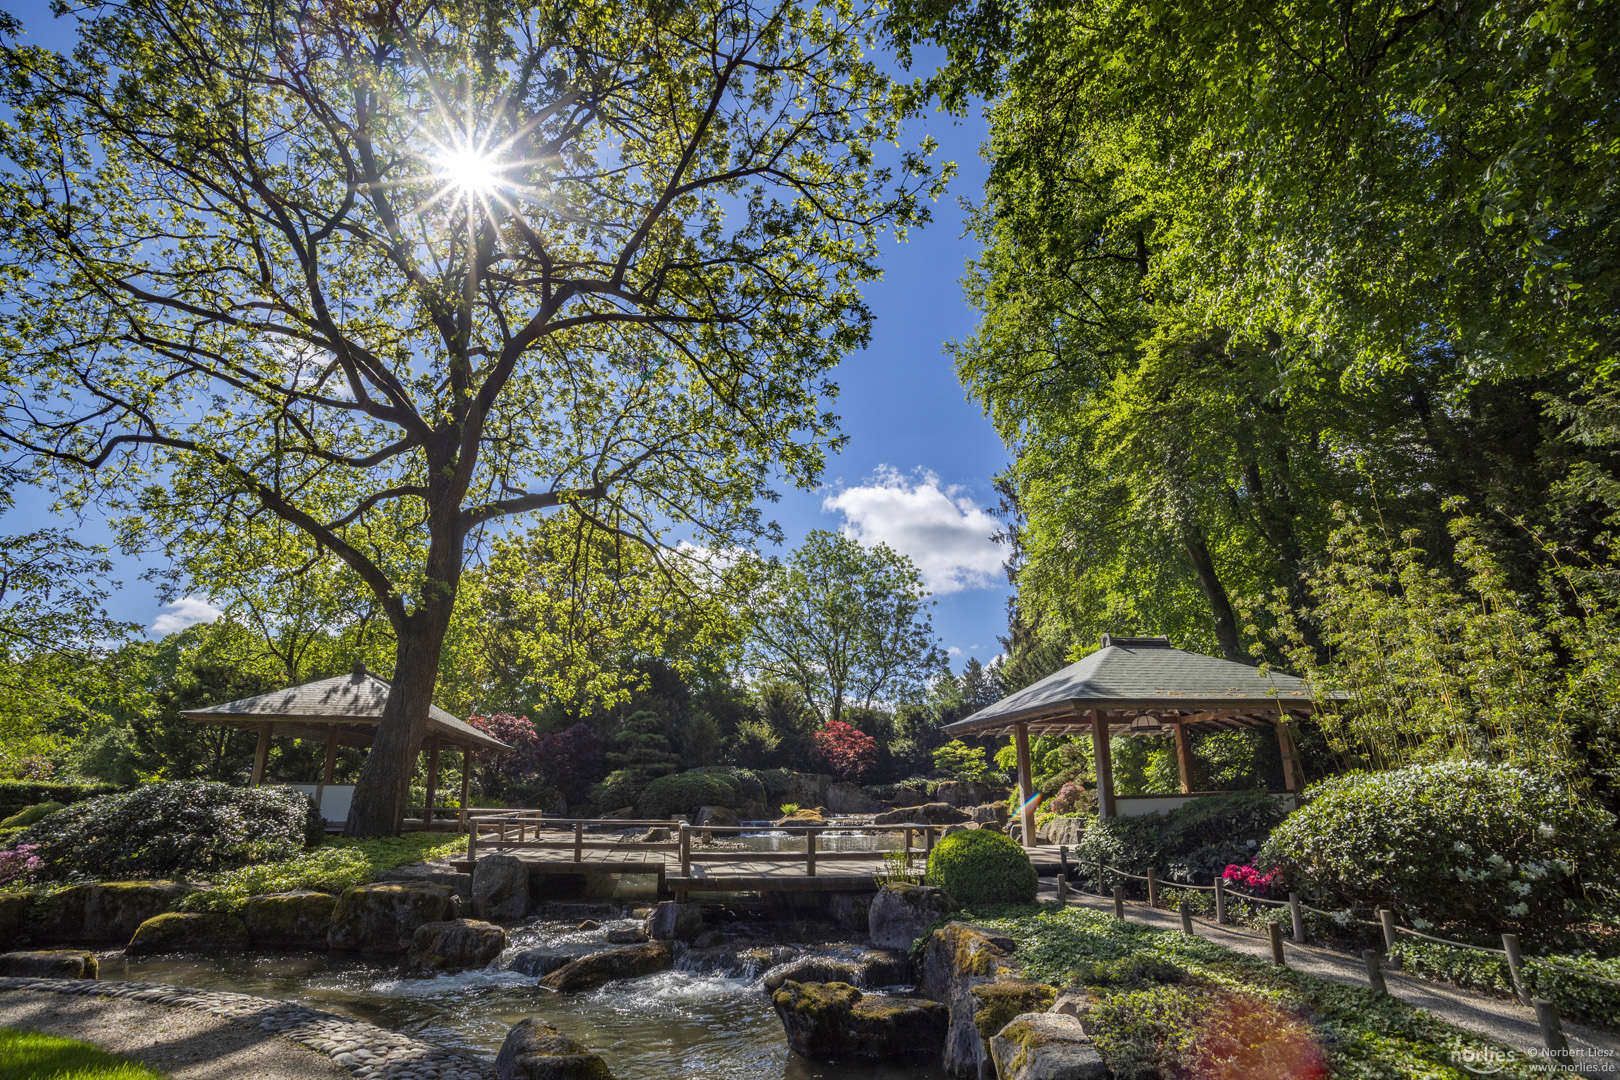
(528, 830)
(810, 856)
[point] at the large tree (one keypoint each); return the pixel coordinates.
(389, 274)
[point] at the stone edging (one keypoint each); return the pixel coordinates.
(367, 1051)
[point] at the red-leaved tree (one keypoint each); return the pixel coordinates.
(848, 750)
(508, 766)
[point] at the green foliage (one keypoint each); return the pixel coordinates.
(961, 761)
(1476, 849)
(617, 790)
(339, 863)
(174, 829)
(1193, 843)
(16, 795)
(641, 748)
(978, 867)
(685, 793)
(30, 814)
(32, 1055)
(1558, 979)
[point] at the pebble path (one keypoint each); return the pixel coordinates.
(365, 1050)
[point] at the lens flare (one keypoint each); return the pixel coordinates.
(470, 170)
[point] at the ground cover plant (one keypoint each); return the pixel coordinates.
(29, 1055)
(1168, 1005)
(334, 866)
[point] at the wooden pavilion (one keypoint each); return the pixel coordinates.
(343, 711)
(1139, 686)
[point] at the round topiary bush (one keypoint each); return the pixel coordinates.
(1474, 848)
(979, 867)
(684, 793)
(174, 829)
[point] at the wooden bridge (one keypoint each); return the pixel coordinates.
(683, 863)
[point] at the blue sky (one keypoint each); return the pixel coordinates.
(915, 473)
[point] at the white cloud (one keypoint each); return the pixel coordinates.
(943, 532)
(184, 612)
(954, 650)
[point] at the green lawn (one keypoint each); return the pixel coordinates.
(27, 1055)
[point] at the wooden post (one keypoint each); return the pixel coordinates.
(810, 853)
(1220, 900)
(1102, 887)
(1290, 756)
(928, 843)
(466, 778)
(331, 762)
(1184, 762)
(1063, 890)
(1119, 901)
(1186, 916)
(1375, 974)
(1552, 1030)
(1153, 887)
(579, 841)
(261, 753)
(1510, 945)
(1104, 763)
(472, 840)
(1274, 931)
(1299, 917)
(1386, 919)
(908, 849)
(686, 850)
(1063, 861)
(1026, 784)
(432, 784)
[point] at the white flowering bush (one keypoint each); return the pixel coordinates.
(1460, 847)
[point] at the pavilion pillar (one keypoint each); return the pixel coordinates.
(1184, 762)
(1105, 764)
(331, 762)
(1026, 783)
(432, 783)
(261, 753)
(1290, 755)
(466, 779)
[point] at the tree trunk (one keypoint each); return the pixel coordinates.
(379, 795)
(1220, 605)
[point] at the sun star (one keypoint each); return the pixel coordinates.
(470, 170)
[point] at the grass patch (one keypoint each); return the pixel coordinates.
(28, 1055)
(1166, 1005)
(334, 866)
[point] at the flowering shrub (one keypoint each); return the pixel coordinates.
(1250, 878)
(1476, 848)
(848, 751)
(18, 865)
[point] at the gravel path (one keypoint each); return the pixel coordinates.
(1505, 1021)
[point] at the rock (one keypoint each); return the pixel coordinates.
(382, 918)
(1016, 831)
(992, 826)
(1073, 1002)
(952, 830)
(852, 911)
(803, 817)
(457, 882)
(589, 924)
(177, 932)
(657, 835)
(964, 793)
(106, 912)
(864, 967)
(589, 972)
(299, 919)
(802, 789)
(959, 960)
(934, 813)
(996, 812)
(673, 921)
(500, 888)
(834, 1021)
(900, 914)
(717, 816)
(50, 964)
(539, 961)
(1064, 830)
(849, 799)
(756, 961)
(13, 912)
(908, 796)
(534, 1050)
(455, 945)
(1046, 1046)
(626, 935)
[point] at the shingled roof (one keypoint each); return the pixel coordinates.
(1133, 676)
(352, 704)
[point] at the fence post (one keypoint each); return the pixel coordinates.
(928, 842)
(1102, 887)
(686, 850)
(1220, 900)
(1386, 919)
(1274, 931)
(472, 839)
(908, 849)
(1063, 890)
(1153, 887)
(579, 841)
(1375, 973)
(1119, 901)
(1299, 917)
(1510, 945)
(1186, 916)
(810, 853)
(1063, 861)
(1552, 1030)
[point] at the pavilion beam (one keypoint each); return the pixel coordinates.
(1184, 762)
(1026, 784)
(261, 753)
(466, 780)
(1290, 755)
(432, 784)
(326, 770)
(1104, 762)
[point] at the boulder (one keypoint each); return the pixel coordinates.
(952, 830)
(959, 961)
(183, 932)
(900, 914)
(835, 1021)
(811, 816)
(428, 873)
(908, 796)
(993, 826)
(539, 961)
(300, 919)
(589, 972)
(845, 798)
(934, 813)
(626, 935)
(1046, 1046)
(804, 789)
(718, 816)
(1073, 1001)
(959, 951)
(106, 912)
(964, 793)
(383, 918)
(864, 968)
(13, 911)
(534, 1050)
(50, 964)
(455, 945)
(996, 811)
(851, 911)
(656, 835)
(761, 959)
(500, 888)
(674, 921)
(1064, 830)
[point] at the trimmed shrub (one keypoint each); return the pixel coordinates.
(616, 791)
(17, 795)
(684, 793)
(1475, 848)
(30, 814)
(174, 829)
(750, 789)
(979, 867)
(1193, 844)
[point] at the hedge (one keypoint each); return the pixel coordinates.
(16, 795)
(1192, 844)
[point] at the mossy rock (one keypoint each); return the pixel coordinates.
(999, 1002)
(50, 964)
(589, 972)
(181, 932)
(109, 911)
(383, 918)
(13, 916)
(1038, 1046)
(455, 945)
(298, 920)
(534, 1050)
(813, 816)
(958, 951)
(835, 1021)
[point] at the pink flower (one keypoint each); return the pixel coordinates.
(1250, 877)
(19, 863)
